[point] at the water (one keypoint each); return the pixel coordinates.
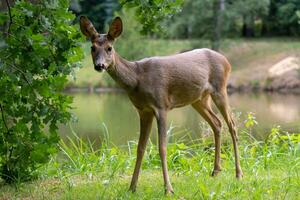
(113, 113)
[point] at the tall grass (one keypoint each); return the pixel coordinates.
(81, 157)
(266, 163)
(83, 171)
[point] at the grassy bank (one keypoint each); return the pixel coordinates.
(250, 59)
(272, 184)
(82, 171)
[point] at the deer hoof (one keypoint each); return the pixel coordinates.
(132, 189)
(239, 175)
(216, 172)
(169, 191)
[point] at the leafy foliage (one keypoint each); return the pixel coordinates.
(252, 18)
(251, 12)
(151, 12)
(196, 18)
(282, 19)
(40, 50)
(100, 12)
(194, 21)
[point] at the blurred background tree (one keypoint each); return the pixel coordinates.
(99, 11)
(199, 19)
(282, 18)
(195, 19)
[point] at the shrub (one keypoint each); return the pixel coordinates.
(40, 50)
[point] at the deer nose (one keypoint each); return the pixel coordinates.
(99, 67)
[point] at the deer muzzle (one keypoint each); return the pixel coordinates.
(100, 67)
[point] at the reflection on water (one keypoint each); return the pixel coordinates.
(99, 113)
(270, 110)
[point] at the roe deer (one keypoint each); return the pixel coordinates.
(158, 84)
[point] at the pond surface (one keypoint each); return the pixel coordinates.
(113, 113)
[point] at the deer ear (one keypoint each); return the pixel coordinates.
(87, 28)
(115, 29)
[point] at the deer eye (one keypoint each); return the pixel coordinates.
(93, 49)
(109, 49)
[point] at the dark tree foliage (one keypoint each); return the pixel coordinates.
(99, 11)
(282, 18)
(40, 49)
(251, 13)
(195, 20)
(251, 18)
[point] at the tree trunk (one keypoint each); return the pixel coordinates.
(218, 7)
(248, 26)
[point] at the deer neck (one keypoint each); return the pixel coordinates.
(124, 73)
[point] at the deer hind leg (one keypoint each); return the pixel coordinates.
(161, 117)
(221, 101)
(204, 109)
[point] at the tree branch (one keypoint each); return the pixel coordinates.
(22, 73)
(10, 16)
(3, 118)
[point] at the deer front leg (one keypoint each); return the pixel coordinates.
(146, 119)
(162, 132)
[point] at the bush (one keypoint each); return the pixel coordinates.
(40, 50)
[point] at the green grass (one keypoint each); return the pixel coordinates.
(244, 55)
(274, 184)
(81, 171)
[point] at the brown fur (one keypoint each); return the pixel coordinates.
(158, 84)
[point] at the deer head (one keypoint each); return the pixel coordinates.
(102, 44)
